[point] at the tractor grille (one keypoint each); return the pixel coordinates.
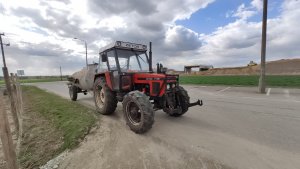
(155, 87)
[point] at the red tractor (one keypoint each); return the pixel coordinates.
(125, 75)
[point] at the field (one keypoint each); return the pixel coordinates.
(272, 80)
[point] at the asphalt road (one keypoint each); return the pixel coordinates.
(236, 128)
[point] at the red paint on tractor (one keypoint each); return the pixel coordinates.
(108, 80)
(146, 78)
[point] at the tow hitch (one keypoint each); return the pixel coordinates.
(199, 102)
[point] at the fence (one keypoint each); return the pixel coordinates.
(16, 105)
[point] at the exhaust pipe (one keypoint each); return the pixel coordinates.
(150, 57)
(199, 102)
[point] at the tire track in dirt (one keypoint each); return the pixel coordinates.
(112, 145)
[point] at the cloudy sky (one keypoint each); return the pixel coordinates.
(222, 33)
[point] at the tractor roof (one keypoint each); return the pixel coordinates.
(124, 45)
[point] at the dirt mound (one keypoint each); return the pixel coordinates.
(279, 67)
(284, 66)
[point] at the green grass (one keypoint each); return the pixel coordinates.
(72, 119)
(271, 80)
(40, 80)
(36, 80)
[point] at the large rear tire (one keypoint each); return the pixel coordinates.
(73, 92)
(138, 112)
(183, 99)
(105, 99)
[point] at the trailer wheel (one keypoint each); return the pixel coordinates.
(183, 99)
(138, 112)
(105, 99)
(73, 92)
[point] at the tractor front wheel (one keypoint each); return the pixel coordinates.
(105, 99)
(138, 112)
(183, 99)
(73, 92)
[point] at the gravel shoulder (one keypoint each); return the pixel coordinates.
(12, 128)
(113, 145)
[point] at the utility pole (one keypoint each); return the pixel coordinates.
(8, 85)
(86, 54)
(262, 79)
(3, 57)
(5, 132)
(60, 73)
(85, 44)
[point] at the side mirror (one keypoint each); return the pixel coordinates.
(103, 57)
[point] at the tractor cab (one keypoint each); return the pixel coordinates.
(123, 62)
(124, 57)
(129, 68)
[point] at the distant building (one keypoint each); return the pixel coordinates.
(20, 72)
(188, 69)
(252, 63)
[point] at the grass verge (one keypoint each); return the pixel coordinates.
(52, 124)
(271, 80)
(37, 80)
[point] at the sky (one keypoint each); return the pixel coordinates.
(222, 33)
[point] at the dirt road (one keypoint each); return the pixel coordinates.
(236, 128)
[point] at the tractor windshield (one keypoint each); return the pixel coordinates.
(132, 61)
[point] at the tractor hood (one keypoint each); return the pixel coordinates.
(157, 82)
(154, 77)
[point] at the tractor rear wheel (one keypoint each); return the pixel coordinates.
(105, 99)
(138, 112)
(183, 99)
(73, 92)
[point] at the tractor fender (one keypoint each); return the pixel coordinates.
(107, 77)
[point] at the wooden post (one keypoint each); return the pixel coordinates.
(6, 138)
(19, 110)
(9, 91)
(19, 95)
(13, 104)
(15, 93)
(60, 73)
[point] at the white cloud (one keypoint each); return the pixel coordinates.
(258, 4)
(41, 32)
(54, 23)
(239, 42)
(243, 12)
(112, 23)
(182, 39)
